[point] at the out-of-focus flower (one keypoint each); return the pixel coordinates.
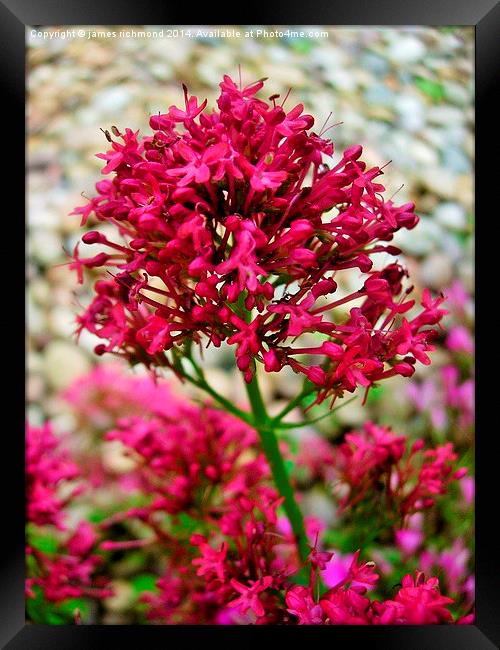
(47, 468)
(459, 339)
(467, 486)
(377, 461)
(409, 540)
(68, 570)
(452, 563)
(250, 595)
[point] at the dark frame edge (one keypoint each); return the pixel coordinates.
(98, 637)
(487, 57)
(12, 607)
(326, 12)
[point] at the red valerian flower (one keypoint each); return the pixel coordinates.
(188, 450)
(378, 461)
(300, 603)
(220, 239)
(47, 468)
(418, 602)
(249, 598)
(208, 511)
(67, 571)
(66, 576)
(212, 561)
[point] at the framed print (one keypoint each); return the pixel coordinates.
(250, 296)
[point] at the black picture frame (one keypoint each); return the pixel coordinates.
(15, 16)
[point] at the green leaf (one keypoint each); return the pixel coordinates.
(144, 582)
(392, 555)
(432, 89)
(97, 515)
(340, 540)
(44, 543)
(301, 578)
(53, 618)
(308, 400)
(68, 607)
(34, 606)
(39, 610)
(187, 524)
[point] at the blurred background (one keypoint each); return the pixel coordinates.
(405, 94)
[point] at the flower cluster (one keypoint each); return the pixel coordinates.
(232, 228)
(67, 569)
(204, 464)
(198, 505)
(47, 468)
(106, 393)
(235, 575)
(452, 563)
(182, 455)
(418, 601)
(376, 460)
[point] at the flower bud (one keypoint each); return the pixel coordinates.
(94, 237)
(316, 375)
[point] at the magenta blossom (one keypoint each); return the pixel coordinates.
(250, 595)
(412, 476)
(220, 239)
(48, 467)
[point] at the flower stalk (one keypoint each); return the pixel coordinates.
(269, 441)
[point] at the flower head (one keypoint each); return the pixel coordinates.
(221, 239)
(418, 602)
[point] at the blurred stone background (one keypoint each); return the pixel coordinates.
(406, 94)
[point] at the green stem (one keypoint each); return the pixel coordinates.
(229, 406)
(263, 424)
(265, 427)
(306, 423)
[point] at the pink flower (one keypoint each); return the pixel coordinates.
(337, 570)
(433, 478)
(243, 260)
(409, 540)
(319, 559)
(66, 572)
(48, 466)
(460, 340)
(418, 602)
(212, 561)
(177, 115)
(83, 539)
(458, 297)
(214, 206)
(467, 485)
(453, 563)
(362, 576)
(250, 598)
(412, 477)
(300, 604)
(369, 451)
(346, 607)
(443, 395)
